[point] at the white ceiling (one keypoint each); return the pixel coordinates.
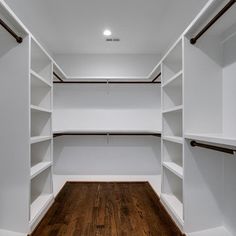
(76, 26)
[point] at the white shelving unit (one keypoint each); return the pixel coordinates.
(41, 195)
(209, 103)
(172, 139)
(41, 134)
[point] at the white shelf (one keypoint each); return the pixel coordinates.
(172, 78)
(39, 168)
(212, 138)
(218, 231)
(100, 131)
(174, 205)
(173, 109)
(39, 205)
(38, 139)
(173, 167)
(174, 139)
(40, 78)
(10, 233)
(40, 109)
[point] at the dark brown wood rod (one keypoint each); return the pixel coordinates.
(219, 149)
(10, 31)
(217, 17)
(105, 82)
(156, 77)
(58, 77)
(120, 134)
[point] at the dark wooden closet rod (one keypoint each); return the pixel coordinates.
(58, 77)
(217, 17)
(104, 82)
(120, 134)
(156, 77)
(10, 31)
(219, 149)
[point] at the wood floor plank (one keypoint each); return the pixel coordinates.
(107, 209)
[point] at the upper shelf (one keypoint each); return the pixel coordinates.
(212, 138)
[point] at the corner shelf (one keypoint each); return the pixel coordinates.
(174, 168)
(39, 168)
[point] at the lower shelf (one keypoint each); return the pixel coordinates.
(173, 167)
(39, 205)
(219, 231)
(10, 233)
(174, 205)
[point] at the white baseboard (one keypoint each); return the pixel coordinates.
(60, 180)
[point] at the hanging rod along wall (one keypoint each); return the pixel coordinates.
(58, 77)
(105, 82)
(219, 149)
(126, 134)
(217, 17)
(10, 31)
(156, 77)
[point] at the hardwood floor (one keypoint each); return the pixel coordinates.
(106, 209)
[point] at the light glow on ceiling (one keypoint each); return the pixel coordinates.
(107, 32)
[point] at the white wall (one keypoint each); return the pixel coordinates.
(229, 87)
(99, 155)
(107, 65)
(99, 107)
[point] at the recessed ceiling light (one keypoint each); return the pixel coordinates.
(107, 32)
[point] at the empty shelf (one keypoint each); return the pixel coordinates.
(173, 78)
(40, 80)
(38, 139)
(175, 168)
(212, 138)
(10, 233)
(219, 231)
(39, 205)
(38, 168)
(174, 205)
(173, 109)
(37, 108)
(174, 139)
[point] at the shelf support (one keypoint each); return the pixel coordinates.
(11, 32)
(212, 147)
(214, 19)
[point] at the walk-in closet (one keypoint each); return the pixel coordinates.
(118, 118)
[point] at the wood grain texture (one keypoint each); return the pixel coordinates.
(107, 209)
